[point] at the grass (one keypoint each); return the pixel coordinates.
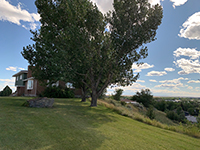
(72, 125)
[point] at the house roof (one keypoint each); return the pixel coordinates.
(31, 78)
(19, 73)
(191, 118)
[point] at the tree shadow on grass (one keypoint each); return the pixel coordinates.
(69, 125)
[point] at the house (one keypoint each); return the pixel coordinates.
(27, 85)
(19, 81)
(191, 119)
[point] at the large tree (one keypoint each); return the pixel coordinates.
(73, 41)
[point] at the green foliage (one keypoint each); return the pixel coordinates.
(117, 95)
(123, 103)
(172, 115)
(175, 116)
(191, 111)
(143, 97)
(150, 113)
(74, 31)
(58, 92)
(70, 125)
(6, 91)
(161, 105)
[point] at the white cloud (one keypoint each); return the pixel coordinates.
(9, 82)
(21, 68)
(193, 81)
(15, 14)
(170, 85)
(104, 5)
(188, 66)
(191, 28)
(197, 88)
(140, 81)
(141, 66)
(174, 92)
(174, 81)
(128, 89)
(178, 2)
(190, 52)
(12, 68)
(152, 80)
(107, 5)
(190, 87)
(156, 73)
(154, 2)
(169, 69)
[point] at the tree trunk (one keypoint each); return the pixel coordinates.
(84, 93)
(94, 98)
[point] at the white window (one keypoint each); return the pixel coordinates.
(69, 85)
(55, 84)
(20, 77)
(16, 78)
(30, 85)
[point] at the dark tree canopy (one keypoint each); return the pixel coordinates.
(117, 95)
(6, 91)
(145, 97)
(73, 43)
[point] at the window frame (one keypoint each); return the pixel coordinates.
(29, 84)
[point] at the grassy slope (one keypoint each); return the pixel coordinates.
(74, 125)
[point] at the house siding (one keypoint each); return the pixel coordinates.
(20, 91)
(36, 91)
(20, 82)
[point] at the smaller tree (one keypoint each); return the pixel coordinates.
(150, 113)
(118, 93)
(143, 97)
(6, 91)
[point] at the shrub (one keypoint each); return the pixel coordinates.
(58, 92)
(123, 103)
(160, 105)
(6, 91)
(150, 113)
(118, 93)
(172, 115)
(144, 97)
(177, 117)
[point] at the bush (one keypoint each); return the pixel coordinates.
(162, 105)
(58, 92)
(177, 117)
(172, 115)
(6, 91)
(150, 113)
(144, 97)
(118, 93)
(123, 103)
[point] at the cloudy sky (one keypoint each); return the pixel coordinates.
(171, 69)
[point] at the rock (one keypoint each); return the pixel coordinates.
(41, 102)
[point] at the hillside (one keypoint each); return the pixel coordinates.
(75, 126)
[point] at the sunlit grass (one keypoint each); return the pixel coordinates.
(72, 125)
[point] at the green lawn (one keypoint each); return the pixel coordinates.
(72, 125)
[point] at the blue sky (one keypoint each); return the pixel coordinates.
(171, 69)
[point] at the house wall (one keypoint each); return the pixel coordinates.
(20, 91)
(77, 93)
(36, 91)
(29, 75)
(30, 92)
(20, 82)
(62, 84)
